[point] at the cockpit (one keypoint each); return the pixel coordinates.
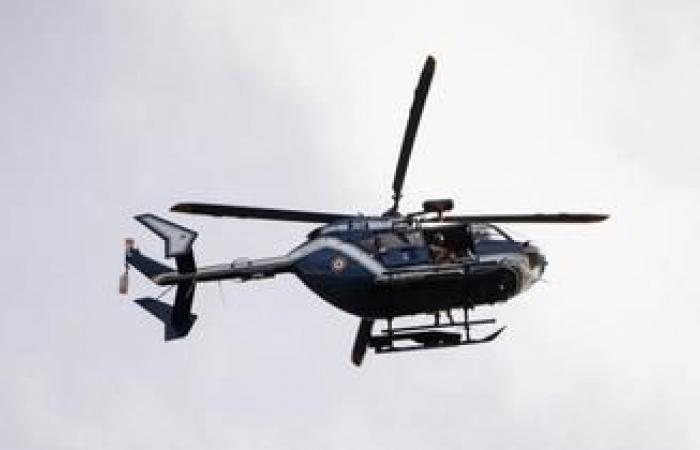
(397, 244)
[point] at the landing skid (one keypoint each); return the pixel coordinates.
(426, 340)
(419, 337)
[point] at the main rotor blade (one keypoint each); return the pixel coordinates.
(409, 136)
(250, 212)
(525, 218)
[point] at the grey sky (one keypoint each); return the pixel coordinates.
(114, 108)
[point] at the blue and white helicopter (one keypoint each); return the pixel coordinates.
(375, 267)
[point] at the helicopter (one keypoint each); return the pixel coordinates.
(378, 267)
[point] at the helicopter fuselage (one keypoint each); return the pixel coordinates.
(383, 268)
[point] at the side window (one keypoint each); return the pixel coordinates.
(482, 233)
(369, 245)
(389, 241)
(380, 243)
(383, 242)
(415, 238)
(490, 240)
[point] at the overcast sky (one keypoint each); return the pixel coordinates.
(113, 108)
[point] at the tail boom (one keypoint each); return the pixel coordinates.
(242, 269)
(179, 319)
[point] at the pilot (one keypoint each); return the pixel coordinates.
(438, 248)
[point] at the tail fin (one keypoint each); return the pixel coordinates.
(178, 319)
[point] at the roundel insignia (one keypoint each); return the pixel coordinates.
(338, 264)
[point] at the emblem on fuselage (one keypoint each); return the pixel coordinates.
(338, 263)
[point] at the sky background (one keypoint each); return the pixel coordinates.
(114, 108)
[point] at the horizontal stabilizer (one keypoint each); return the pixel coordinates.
(178, 239)
(164, 312)
(147, 266)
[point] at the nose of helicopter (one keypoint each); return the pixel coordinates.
(537, 262)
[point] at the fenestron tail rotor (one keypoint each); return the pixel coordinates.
(421, 93)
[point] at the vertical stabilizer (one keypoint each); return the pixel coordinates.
(178, 319)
